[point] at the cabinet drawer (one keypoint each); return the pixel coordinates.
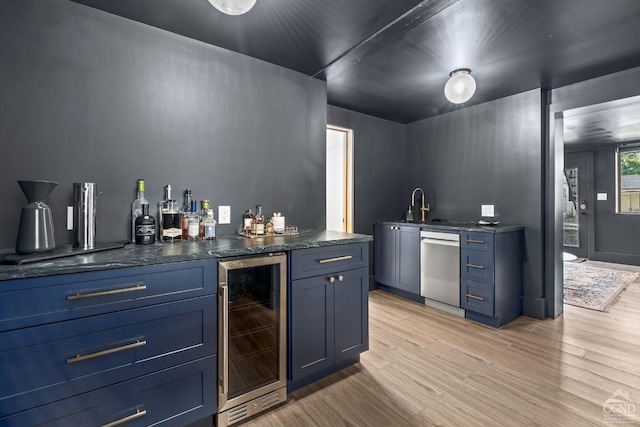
(478, 297)
(47, 363)
(177, 396)
(477, 265)
(29, 302)
(477, 240)
(330, 259)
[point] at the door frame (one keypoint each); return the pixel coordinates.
(614, 95)
(348, 214)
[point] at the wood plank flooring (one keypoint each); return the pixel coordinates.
(427, 368)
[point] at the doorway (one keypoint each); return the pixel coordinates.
(586, 103)
(578, 195)
(339, 179)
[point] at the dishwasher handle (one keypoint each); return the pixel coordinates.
(454, 243)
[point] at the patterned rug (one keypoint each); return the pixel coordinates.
(592, 287)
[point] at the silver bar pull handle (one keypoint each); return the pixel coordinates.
(137, 287)
(79, 358)
(475, 297)
(340, 258)
(224, 379)
(481, 267)
(126, 419)
(481, 242)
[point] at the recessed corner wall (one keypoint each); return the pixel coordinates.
(378, 147)
(490, 153)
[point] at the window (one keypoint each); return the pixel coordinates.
(628, 185)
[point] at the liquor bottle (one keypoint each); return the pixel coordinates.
(136, 208)
(186, 210)
(268, 227)
(247, 221)
(145, 227)
(258, 222)
(169, 219)
(193, 223)
(208, 222)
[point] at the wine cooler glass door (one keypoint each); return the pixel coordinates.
(252, 328)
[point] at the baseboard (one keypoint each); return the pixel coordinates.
(615, 258)
(534, 307)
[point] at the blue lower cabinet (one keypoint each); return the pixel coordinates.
(84, 354)
(171, 397)
(351, 314)
(328, 315)
(328, 322)
(312, 326)
(491, 285)
(136, 345)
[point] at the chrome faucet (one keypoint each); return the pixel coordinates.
(423, 210)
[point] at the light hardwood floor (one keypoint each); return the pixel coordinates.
(426, 367)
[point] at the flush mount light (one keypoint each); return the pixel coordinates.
(460, 87)
(233, 7)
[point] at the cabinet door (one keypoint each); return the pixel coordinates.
(351, 313)
(384, 237)
(311, 326)
(408, 259)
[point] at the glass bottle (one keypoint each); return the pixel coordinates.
(208, 223)
(136, 208)
(186, 210)
(247, 221)
(145, 227)
(268, 227)
(193, 223)
(258, 222)
(169, 219)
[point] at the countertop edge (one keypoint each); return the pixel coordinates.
(500, 228)
(159, 253)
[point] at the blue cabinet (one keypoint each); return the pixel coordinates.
(491, 282)
(328, 311)
(397, 257)
(70, 343)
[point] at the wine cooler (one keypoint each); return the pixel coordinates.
(252, 347)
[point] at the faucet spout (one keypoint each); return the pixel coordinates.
(423, 209)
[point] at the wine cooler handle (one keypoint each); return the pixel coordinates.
(224, 290)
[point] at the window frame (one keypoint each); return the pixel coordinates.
(621, 149)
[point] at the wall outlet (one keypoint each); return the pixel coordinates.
(488, 210)
(224, 214)
(69, 218)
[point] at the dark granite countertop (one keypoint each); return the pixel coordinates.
(457, 226)
(159, 253)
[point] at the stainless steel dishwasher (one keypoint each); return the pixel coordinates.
(440, 270)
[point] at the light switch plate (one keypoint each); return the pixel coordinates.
(488, 210)
(224, 214)
(69, 218)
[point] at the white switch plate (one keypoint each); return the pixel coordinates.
(224, 214)
(69, 218)
(488, 210)
(602, 196)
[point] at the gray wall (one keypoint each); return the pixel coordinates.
(486, 154)
(378, 152)
(88, 96)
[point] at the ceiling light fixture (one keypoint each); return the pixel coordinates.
(460, 87)
(233, 7)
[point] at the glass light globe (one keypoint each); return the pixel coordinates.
(233, 7)
(460, 87)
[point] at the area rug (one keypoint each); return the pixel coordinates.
(593, 288)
